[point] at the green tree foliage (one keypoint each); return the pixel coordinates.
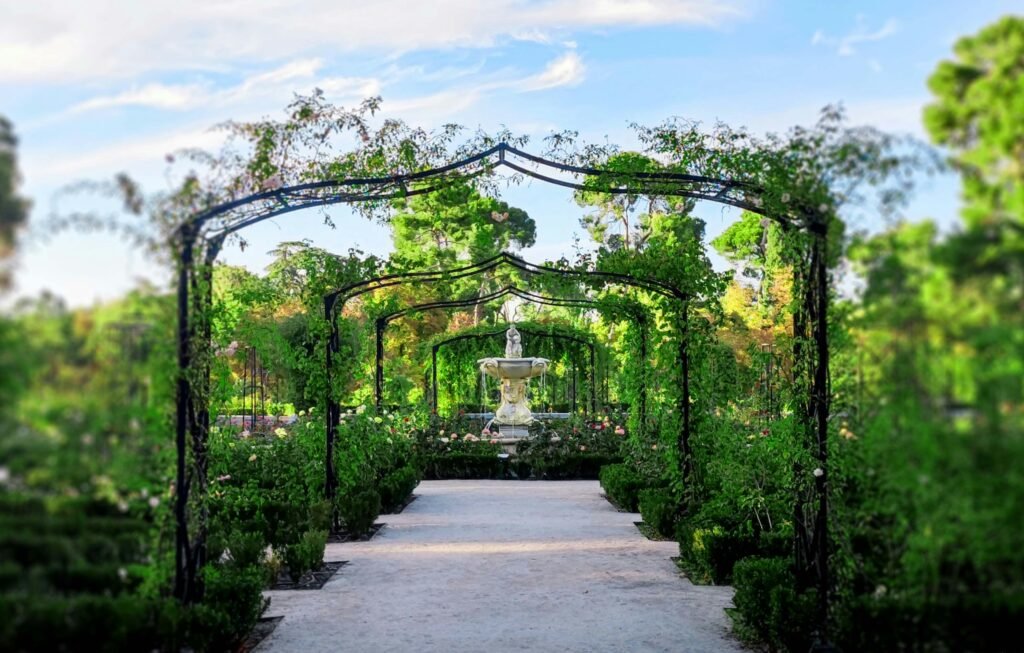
(622, 220)
(457, 223)
(979, 99)
(13, 208)
(976, 115)
(752, 243)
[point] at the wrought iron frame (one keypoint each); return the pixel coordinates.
(201, 237)
(334, 302)
(384, 320)
(591, 347)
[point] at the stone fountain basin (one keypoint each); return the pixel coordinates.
(513, 368)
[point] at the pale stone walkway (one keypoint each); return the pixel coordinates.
(495, 566)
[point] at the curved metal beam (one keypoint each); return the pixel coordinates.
(533, 332)
(383, 320)
(358, 288)
(278, 201)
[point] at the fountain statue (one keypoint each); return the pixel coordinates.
(514, 373)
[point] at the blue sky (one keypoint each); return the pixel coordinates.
(100, 86)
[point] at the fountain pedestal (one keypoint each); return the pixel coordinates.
(514, 372)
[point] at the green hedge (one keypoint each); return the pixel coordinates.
(359, 509)
(231, 606)
(71, 525)
(396, 487)
(28, 548)
(94, 623)
(307, 554)
(710, 554)
(462, 466)
(964, 622)
(622, 484)
(459, 465)
(768, 608)
(78, 578)
(658, 510)
(582, 466)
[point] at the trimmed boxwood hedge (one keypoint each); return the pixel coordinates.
(658, 510)
(582, 466)
(622, 484)
(396, 487)
(711, 553)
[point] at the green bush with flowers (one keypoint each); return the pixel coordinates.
(457, 448)
(376, 464)
(573, 448)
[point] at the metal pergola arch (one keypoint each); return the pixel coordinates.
(335, 300)
(196, 235)
(382, 322)
(589, 344)
(238, 214)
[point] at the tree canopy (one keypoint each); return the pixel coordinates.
(14, 209)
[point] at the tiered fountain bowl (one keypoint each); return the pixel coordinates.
(514, 375)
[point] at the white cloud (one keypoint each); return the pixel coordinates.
(57, 41)
(567, 70)
(190, 96)
(259, 93)
(128, 154)
(444, 102)
(845, 45)
(158, 96)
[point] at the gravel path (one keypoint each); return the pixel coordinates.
(495, 566)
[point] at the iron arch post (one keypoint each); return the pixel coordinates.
(234, 215)
(378, 385)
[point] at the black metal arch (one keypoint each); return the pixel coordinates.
(206, 230)
(334, 409)
(238, 214)
(436, 347)
(382, 322)
(335, 300)
(350, 291)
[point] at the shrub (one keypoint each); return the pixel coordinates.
(306, 555)
(712, 553)
(574, 466)
(769, 609)
(96, 623)
(658, 509)
(246, 548)
(622, 485)
(319, 517)
(79, 578)
(230, 608)
(396, 487)
(358, 509)
(462, 466)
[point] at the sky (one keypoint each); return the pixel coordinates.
(97, 87)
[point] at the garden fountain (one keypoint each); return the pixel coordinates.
(513, 372)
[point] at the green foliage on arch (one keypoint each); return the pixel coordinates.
(459, 382)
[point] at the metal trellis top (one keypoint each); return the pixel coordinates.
(503, 259)
(496, 331)
(525, 295)
(235, 215)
